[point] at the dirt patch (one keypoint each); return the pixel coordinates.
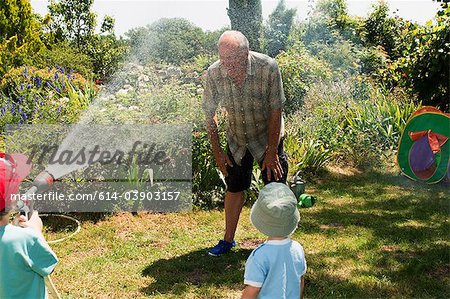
(343, 171)
(390, 248)
(332, 226)
(198, 277)
(440, 272)
(251, 243)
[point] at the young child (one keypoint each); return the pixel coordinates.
(276, 268)
(25, 257)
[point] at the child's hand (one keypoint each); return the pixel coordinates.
(35, 221)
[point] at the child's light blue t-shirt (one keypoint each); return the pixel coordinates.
(25, 259)
(276, 267)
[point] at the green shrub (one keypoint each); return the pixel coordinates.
(208, 188)
(424, 65)
(353, 122)
(340, 56)
(307, 155)
(372, 59)
(299, 71)
(66, 57)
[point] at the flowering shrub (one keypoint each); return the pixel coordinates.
(43, 95)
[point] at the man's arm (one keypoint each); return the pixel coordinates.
(250, 292)
(220, 156)
(271, 162)
(302, 286)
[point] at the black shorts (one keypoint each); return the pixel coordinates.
(240, 176)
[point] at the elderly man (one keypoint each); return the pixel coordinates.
(248, 85)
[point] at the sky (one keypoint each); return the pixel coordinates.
(211, 14)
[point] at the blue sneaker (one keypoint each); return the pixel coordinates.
(221, 248)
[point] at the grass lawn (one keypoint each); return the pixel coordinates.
(371, 235)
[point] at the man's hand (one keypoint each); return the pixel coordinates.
(272, 164)
(223, 161)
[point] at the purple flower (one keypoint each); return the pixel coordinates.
(21, 86)
(28, 86)
(56, 76)
(38, 81)
(57, 89)
(20, 100)
(23, 115)
(3, 110)
(62, 70)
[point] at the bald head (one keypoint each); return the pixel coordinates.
(233, 54)
(233, 39)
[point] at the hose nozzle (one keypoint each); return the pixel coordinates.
(41, 183)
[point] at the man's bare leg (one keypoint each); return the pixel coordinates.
(233, 208)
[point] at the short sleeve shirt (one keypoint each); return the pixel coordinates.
(25, 259)
(276, 267)
(248, 106)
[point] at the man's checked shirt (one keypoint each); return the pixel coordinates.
(248, 106)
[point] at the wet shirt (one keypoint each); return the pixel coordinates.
(248, 106)
(25, 259)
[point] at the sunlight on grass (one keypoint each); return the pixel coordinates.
(369, 235)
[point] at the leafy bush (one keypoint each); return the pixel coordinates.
(207, 186)
(299, 71)
(340, 56)
(107, 53)
(354, 122)
(382, 30)
(66, 57)
(306, 155)
(372, 59)
(424, 67)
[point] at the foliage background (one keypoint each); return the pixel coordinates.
(350, 82)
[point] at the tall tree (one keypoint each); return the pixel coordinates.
(246, 17)
(172, 40)
(19, 34)
(73, 23)
(278, 27)
(72, 20)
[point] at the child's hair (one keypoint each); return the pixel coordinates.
(275, 212)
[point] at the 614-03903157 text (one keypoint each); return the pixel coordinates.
(132, 195)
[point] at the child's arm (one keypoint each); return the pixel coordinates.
(250, 292)
(34, 222)
(43, 259)
(302, 286)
